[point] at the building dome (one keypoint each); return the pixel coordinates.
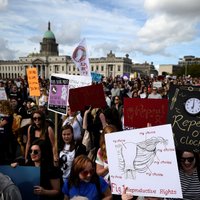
(49, 34)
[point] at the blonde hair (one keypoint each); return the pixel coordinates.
(5, 107)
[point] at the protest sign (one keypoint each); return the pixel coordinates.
(143, 161)
(157, 84)
(184, 116)
(3, 95)
(33, 82)
(87, 96)
(58, 94)
(138, 112)
(25, 178)
(81, 59)
(75, 81)
(96, 77)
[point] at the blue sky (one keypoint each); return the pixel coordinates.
(158, 31)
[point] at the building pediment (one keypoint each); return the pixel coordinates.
(38, 61)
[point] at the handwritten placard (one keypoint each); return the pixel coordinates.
(33, 82)
(143, 161)
(138, 112)
(85, 96)
(184, 115)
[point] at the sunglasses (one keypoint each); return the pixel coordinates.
(85, 173)
(36, 118)
(189, 159)
(34, 152)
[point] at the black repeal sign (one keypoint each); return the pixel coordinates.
(184, 116)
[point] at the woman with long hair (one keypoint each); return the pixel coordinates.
(69, 149)
(83, 181)
(39, 129)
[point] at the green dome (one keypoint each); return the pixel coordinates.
(49, 35)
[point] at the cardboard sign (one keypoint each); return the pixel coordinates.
(184, 116)
(143, 161)
(138, 112)
(25, 178)
(33, 82)
(90, 95)
(58, 94)
(3, 95)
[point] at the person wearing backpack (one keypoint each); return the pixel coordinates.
(8, 190)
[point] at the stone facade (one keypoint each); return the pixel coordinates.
(49, 61)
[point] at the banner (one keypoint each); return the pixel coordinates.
(87, 96)
(25, 178)
(81, 59)
(143, 161)
(58, 94)
(138, 112)
(33, 82)
(184, 116)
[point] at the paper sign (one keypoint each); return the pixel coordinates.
(138, 112)
(25, 178)
(89, 95)
(157, 84)
(3, 95)
(144, 161)
(75, 81)
(58, 95)
(33, 82)
(184, 115)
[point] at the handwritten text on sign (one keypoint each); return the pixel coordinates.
(33, 82)
(138, 112)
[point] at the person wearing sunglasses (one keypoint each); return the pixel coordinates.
(50, 176)
(189, 171)
(83, 181)
(40, 129)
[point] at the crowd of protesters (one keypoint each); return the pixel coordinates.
(72, 170)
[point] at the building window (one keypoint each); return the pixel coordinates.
(119, 68)
(102, 68)
(74, 68)
(97, 67)
(69, 67)
(92, 68)
(62, 68)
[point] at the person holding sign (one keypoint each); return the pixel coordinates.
(83, 181)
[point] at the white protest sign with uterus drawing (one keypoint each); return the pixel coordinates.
(144, 161)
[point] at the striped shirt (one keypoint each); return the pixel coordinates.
(190, 186)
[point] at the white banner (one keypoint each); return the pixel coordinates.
(144, 161)
(81, 59)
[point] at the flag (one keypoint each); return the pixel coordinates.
(81, 60)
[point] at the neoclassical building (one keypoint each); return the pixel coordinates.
(48, 61)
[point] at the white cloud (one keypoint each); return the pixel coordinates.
(3, 4)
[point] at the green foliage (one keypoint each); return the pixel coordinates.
(193, 70)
